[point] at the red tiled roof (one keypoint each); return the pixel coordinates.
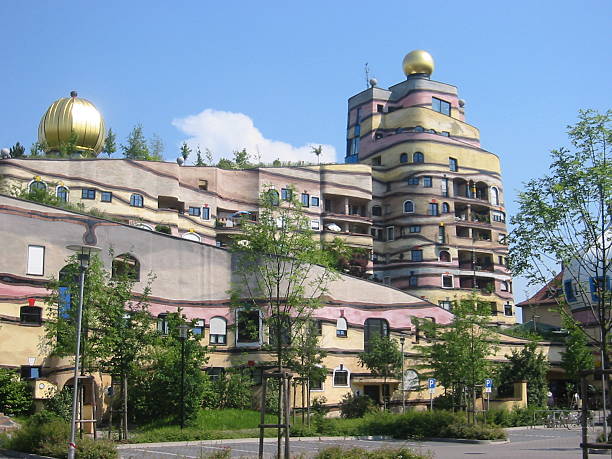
(545, 294)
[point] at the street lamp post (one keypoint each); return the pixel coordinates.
(402, 340)
(183, 329)
(84, 253)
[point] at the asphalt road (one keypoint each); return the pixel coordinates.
(524, 444)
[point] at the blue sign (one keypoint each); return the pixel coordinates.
(488, 383)
(431, 383)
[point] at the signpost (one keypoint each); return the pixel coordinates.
(488, 384)
(431, 383)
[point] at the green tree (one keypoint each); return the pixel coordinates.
(38, 149)
(15, 398)
(110, 143)
(199, 161)
(529, 365)
(136, 145)
(17, 151)
(208, 155)
(225, 163)
(68, 148)
(281, 271)
(242, 159)
(317, 151)
(459, 352)
(578, 355)
(156, 148)
(383, 358)
(185, 151)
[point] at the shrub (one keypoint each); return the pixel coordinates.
(61, 403)
(318, 406)
(15, 398)
(336, 452)
(356, 406)
(163, 229)
(473, 431)
(231, 389)
(96, 449)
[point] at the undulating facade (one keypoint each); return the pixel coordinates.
(438, 215)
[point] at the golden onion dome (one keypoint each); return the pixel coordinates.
(418, 61)
(68, 115)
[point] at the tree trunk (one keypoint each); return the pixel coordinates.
(125, 405)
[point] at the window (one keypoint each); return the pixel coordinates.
(88, 193)
(597, 285)
(441, 106)
(284, 322)
(317, 327)
(499, 217)
(413, 180)
(341, 377)
(191, 236)
(286, 194)
(28, 372)
(427, 181)
(305, 199)
(447, 281)
(418, 157)
(445, 304)
(195, 211)
(218, 331)
(508, 309)
(314, 201)
(376, 211)
(445, 208)
(413, 280)
(408, 207)
(503, 286)
(374, 328)
(341, 328)
(315, 225)
(205, 213)
(30, 315)
(390, 233)
(378, 135)
(106, 196)
(316, 384)
(415, 228)
(62, 193)
(273, 197)
(453, 165)
(494, 196)
(432, 209)
(37, 185)
(36, 260)
(404, 158)
(444, 187)
(136, 200)
(419, 129)
(126, 266)
(376, 161)
(162, 324)
(569, 291)
(386, 279)
(380, 108)
(416, 255)
(441, 235)
(214, 373)
(248, 327)
(198, 327)
(444, 256)
(445, 133)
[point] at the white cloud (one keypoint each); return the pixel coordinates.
(226, 132)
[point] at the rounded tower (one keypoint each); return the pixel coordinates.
(72, 116)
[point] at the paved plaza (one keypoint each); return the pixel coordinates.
(523, 443)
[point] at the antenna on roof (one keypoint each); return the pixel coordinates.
(367, 75)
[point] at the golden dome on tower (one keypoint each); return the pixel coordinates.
(418, 61)
(72, 115)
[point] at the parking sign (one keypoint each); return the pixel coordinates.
(431, 383)
(488, 384)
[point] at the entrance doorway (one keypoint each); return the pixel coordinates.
(373, 392)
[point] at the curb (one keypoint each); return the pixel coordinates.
(11, 453)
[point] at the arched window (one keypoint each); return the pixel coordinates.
(273, 197)
(218, 331)
(494, 196)
(341, 327)
(418, 157)
(444, 256)
(37, 185)
(126, 265)
(191, 237)
(445, 208)
(408, 207)
(136, 200)
(404, 158)
(144, 226)
(62, 193)
(374, 328)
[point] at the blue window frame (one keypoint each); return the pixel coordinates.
(403, 158)
(413, 180)
(415, 228)
(427, 181)
(273, 195)
(305, 199)
(598, 283)
(453, 165)
(136, 200)
(433, 209)
(106, 196)
(418, 157)
(569, 290)
(416, 255)
(64, 302)
(408, 207)
(314, 201)
(286, 194)
(205, 213)
(62, 193)
(441, 106)
(195, 211)
(88, 193)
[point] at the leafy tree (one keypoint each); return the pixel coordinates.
(186, 151)
(225, 163)
(15, 398)
(156, 386)
(242, 159)
(458, 355)
(199, 161)
(281, 270)
(38, 149)
(156, 148)
(209, 157)
(529, 365)
(61, 403)
(578, 355)
(68, 148)
(110, 143)
(317, 151)
(383, 358)
(136, 145)
(17, 151)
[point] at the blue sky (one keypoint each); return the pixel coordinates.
(278, 73)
